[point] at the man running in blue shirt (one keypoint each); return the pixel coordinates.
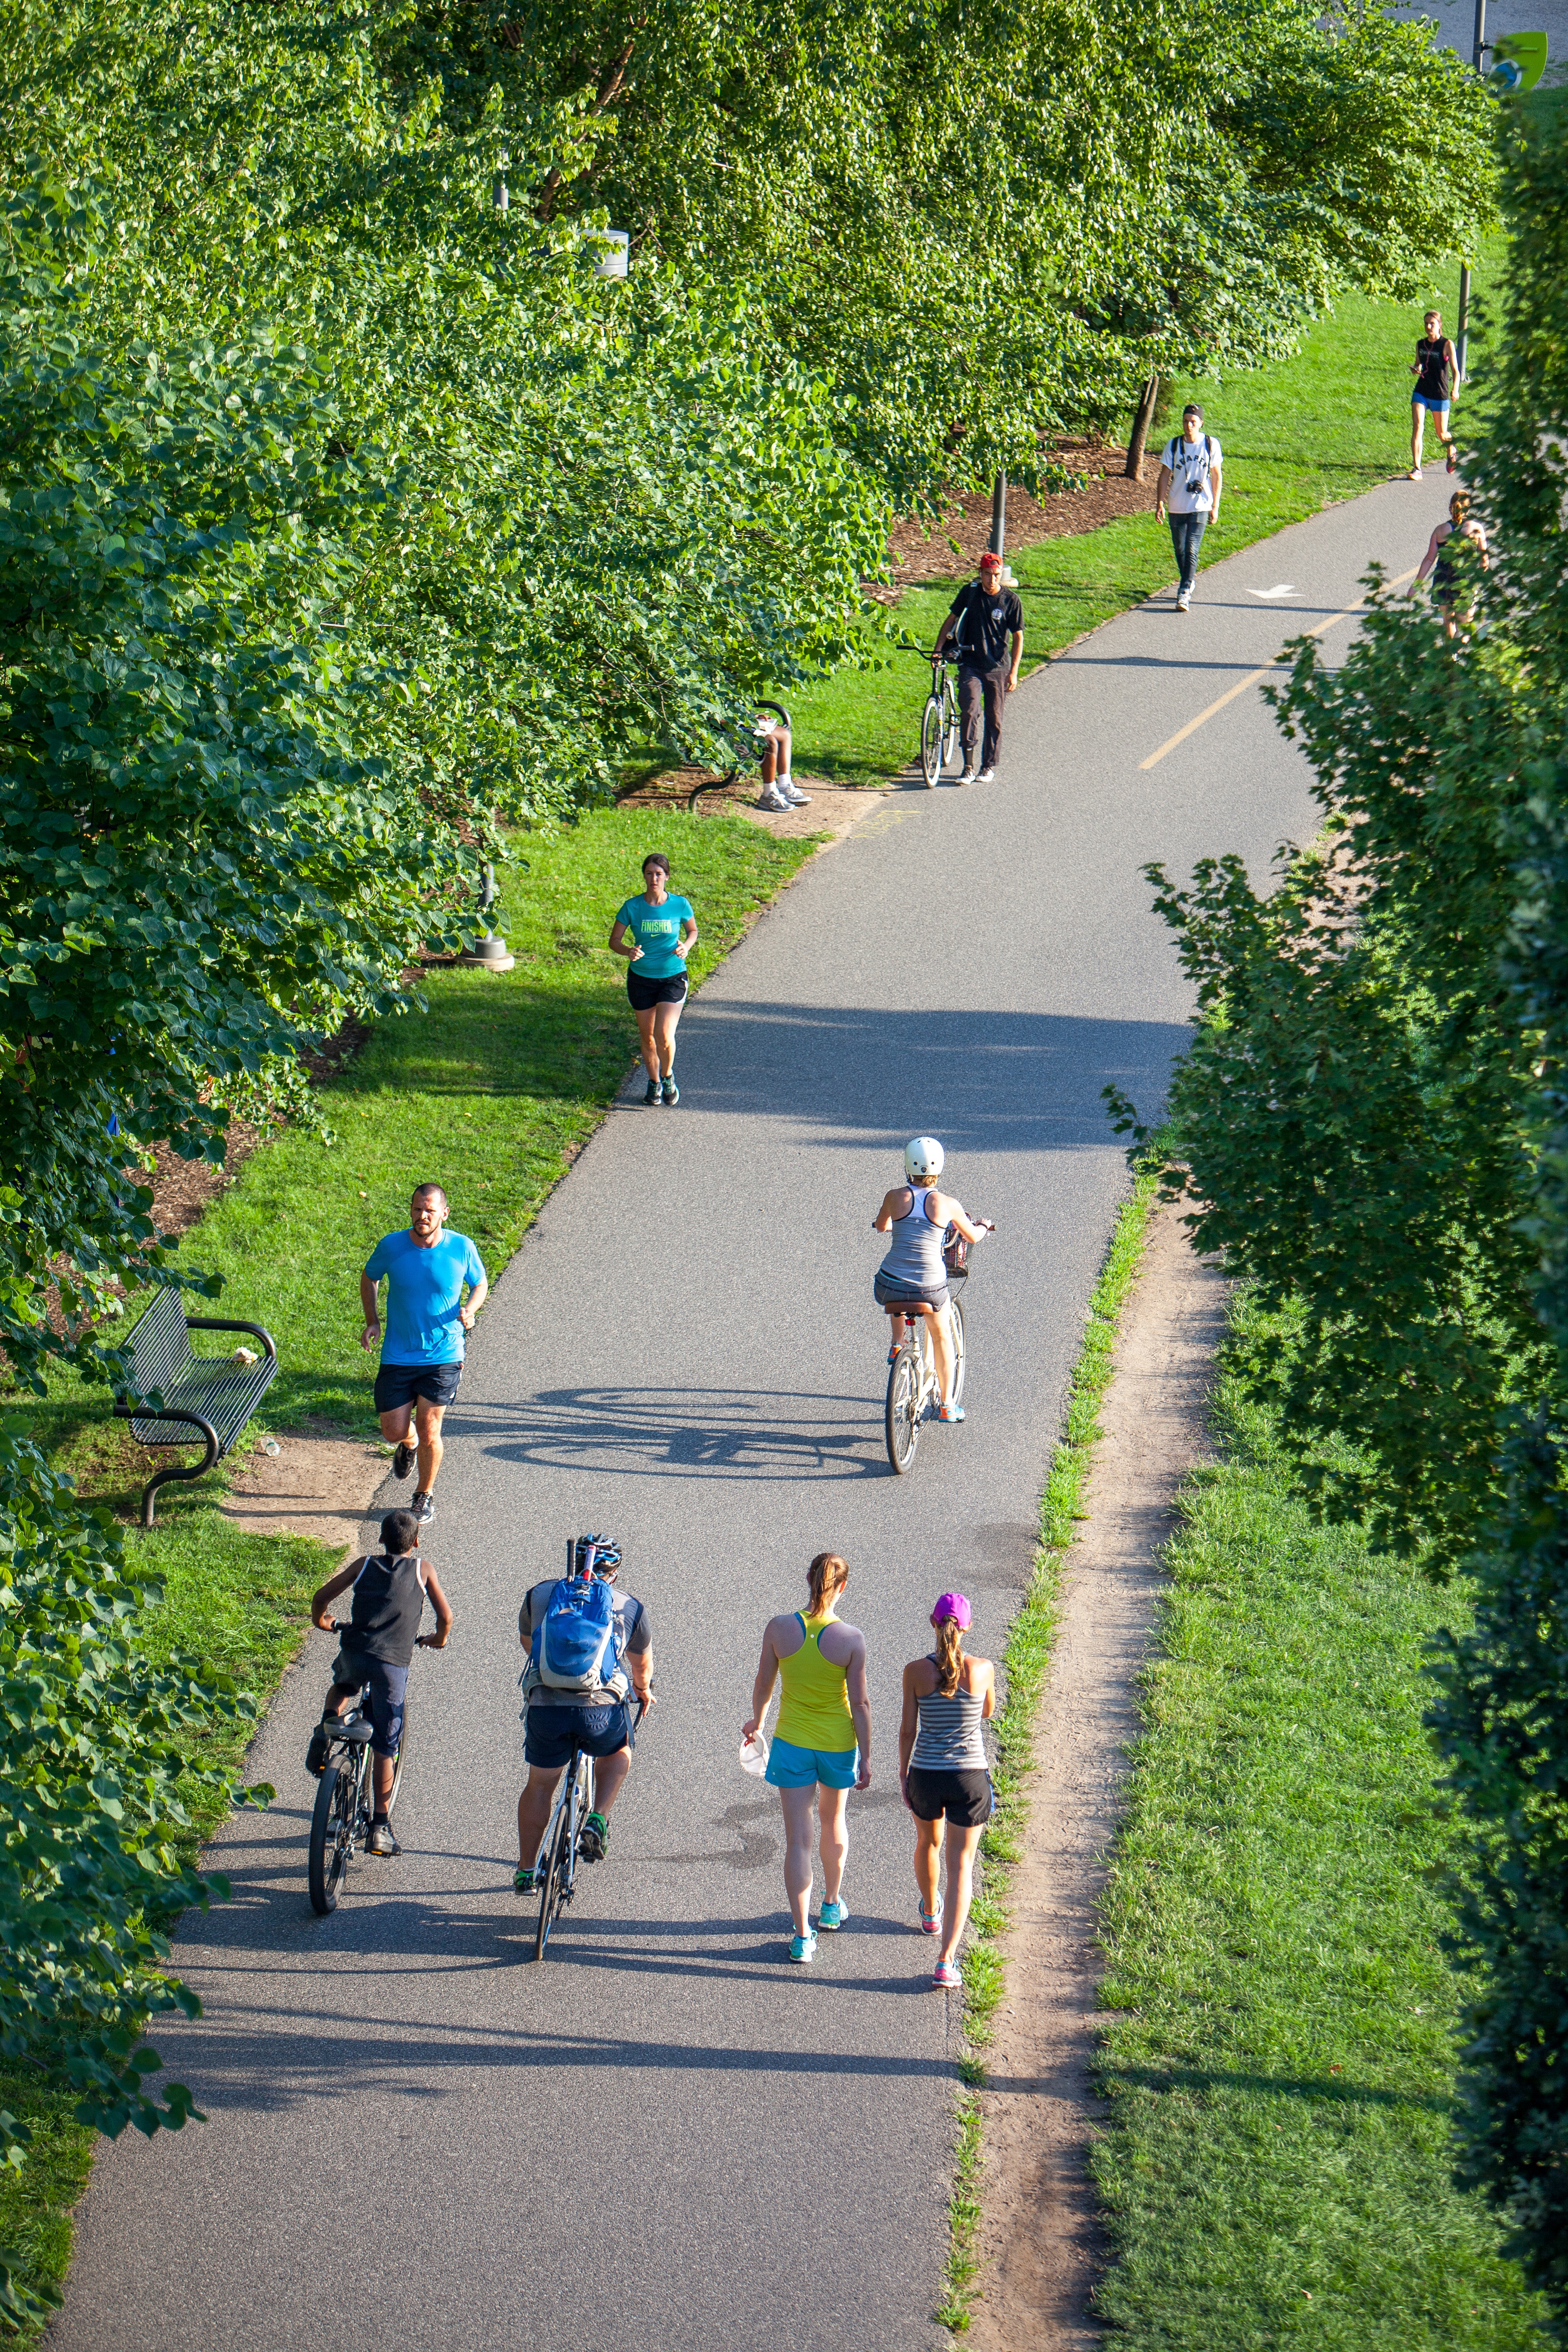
(428, 1322)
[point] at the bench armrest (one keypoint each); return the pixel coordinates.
(146, 1411)
(217, 1323)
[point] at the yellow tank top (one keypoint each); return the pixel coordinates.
(814, 1709)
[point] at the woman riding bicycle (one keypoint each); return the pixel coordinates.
(912, 1278)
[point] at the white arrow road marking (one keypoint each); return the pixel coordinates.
(1284, 589)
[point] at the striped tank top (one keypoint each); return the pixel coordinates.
(914, 1258)
(950, 1738)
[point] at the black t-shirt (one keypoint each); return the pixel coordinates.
(634, 1619)
(987, 619)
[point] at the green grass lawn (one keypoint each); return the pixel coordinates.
(1327, 424)
(1279, 2055)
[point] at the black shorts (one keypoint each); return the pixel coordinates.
(399, 1384)
(967, 1798)
(550, 1734)
(895, 1295)
(646, 993)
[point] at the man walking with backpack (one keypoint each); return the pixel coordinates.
(1189, 488)
(589, 1652)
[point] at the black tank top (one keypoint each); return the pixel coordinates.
(389, 1601)
(1435, 381)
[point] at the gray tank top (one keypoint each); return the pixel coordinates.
(914, 1247)
(950, 1738)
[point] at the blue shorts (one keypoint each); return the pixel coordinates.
(388, 1687)
(790, 1767)
(549, 1734)
(1437, 407)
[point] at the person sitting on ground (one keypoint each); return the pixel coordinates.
(944, 1773)
(427, 1321)
(593, 1715)
(985, 622)
(1436, 368)
(780, 790)
(1447, 585)
(822, 1747)
(912, 1278)
(375, 1650)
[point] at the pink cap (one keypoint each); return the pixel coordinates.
(952, 1605)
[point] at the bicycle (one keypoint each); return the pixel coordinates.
(914, 1393)
(344, 1804)
(939, 724)
(573, 1802)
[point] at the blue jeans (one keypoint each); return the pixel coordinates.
(1187, 538)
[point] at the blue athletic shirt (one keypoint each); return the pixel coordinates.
(655, 930)
(423, 1292)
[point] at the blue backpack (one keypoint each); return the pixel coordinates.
(578, 1641)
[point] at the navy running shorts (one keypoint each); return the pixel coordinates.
(400, 1384)
(388, 1687)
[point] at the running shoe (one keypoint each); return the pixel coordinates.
(945, 1977)
(1184, 600)
(672, 1091)
(968, 776)
(986, 776)
(951, 1413)
(594, 1842)
(930, 1921)
(1414, 475)
(524, 1881)
(403, 1459)
(793, 794)
(832, 1916)
(381, 1839)
(803, 1948)
(1453, 461)
(423, 1507)
(775, 803)
(652, 1095)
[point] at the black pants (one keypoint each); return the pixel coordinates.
(1187, 538)
(982, 689)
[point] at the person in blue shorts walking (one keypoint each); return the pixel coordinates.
(425, 1271)
(822, 1747)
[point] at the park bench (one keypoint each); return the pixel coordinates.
(181, 1396)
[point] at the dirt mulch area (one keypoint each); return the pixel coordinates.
(916, 555)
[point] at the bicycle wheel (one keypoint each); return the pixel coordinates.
(329, 1847)
(952, 726)
(554, 1873)
(931, 743)
(901, 1417)
(955, 1326)
(397, 1762)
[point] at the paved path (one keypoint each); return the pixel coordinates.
(663, 2136)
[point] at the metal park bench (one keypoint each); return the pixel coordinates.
(211, 1397)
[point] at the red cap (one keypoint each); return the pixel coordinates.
(989, 557)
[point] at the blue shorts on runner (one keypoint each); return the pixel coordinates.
(790, 1767)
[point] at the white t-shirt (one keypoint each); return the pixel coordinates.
(1191, 467)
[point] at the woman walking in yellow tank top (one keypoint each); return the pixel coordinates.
(822, 1747)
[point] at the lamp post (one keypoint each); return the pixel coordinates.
(1462, 334)
(999, 515)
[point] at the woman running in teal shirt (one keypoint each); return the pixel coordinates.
(656, 933)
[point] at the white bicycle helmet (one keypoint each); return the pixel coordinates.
(923, 1157)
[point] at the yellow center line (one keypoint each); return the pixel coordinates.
(1205, 716)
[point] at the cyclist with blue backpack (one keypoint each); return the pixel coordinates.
(589, 1652)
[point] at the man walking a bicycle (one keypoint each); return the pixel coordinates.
(589, 1652)
(986, 624)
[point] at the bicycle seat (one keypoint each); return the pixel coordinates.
(356, 1731)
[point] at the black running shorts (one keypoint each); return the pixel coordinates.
(964, 1797)
(646, 993)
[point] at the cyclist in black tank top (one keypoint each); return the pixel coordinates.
(1436, 369)
(376, 1646)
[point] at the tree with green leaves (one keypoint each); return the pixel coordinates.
(1372, 1124)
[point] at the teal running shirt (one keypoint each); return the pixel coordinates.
(655, 930)
(423, 1292)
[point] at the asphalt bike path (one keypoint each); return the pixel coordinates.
(664, 2133)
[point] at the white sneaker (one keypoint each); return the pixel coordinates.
(986, 776)
(774, 802)
(793, 794)
(968, 777)
(1185, 602)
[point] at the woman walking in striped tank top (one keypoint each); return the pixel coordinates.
(942, 1767)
